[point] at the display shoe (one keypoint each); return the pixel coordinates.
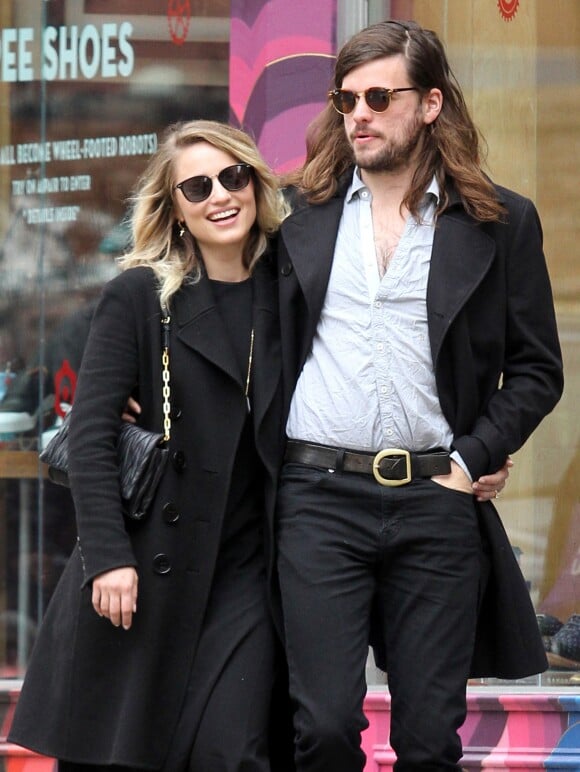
(20, 413)
(549, 626)
(564, 651)
(19, 409)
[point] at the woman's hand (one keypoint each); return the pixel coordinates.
(490, 485)
(132, 409)
(115, 595)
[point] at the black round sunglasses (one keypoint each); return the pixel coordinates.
(232, 178)
(378, 99)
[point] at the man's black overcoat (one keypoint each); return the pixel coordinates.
(491, 320)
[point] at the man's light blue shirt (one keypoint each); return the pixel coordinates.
(368, 382)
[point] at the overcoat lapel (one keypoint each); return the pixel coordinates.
(201, 327)
(461, 257)
(267, 362)
(310, 236)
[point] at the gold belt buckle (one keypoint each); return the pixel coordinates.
(391, 452)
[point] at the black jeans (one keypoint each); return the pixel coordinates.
(408, 558)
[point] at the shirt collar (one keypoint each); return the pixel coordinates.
(357, 185)
(432, 191)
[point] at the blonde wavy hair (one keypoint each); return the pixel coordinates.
(155, 232)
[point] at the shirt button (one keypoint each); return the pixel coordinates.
(380, 347)
(384, 389)
(378, 304)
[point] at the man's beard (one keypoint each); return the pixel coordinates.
(396, 154)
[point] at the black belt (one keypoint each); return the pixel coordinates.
(390, 467)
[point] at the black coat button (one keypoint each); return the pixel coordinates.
(286, 269)
(178, 460)
(170, 513)
(161, 564)
(175, 413)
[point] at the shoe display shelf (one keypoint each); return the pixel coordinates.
(524, 729)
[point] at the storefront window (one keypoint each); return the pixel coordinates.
(85, 89)
(87, 86)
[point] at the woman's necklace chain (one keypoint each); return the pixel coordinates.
(249, 373)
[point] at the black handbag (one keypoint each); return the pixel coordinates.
(142, 454)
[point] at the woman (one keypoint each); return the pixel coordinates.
(158, 650)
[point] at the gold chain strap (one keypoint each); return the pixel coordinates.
(165, 376)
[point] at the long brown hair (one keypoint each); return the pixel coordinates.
(451, 145)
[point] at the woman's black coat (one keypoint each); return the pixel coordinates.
(95, 693)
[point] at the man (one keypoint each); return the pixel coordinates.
(417, 311)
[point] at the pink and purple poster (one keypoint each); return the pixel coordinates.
(281, 63)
